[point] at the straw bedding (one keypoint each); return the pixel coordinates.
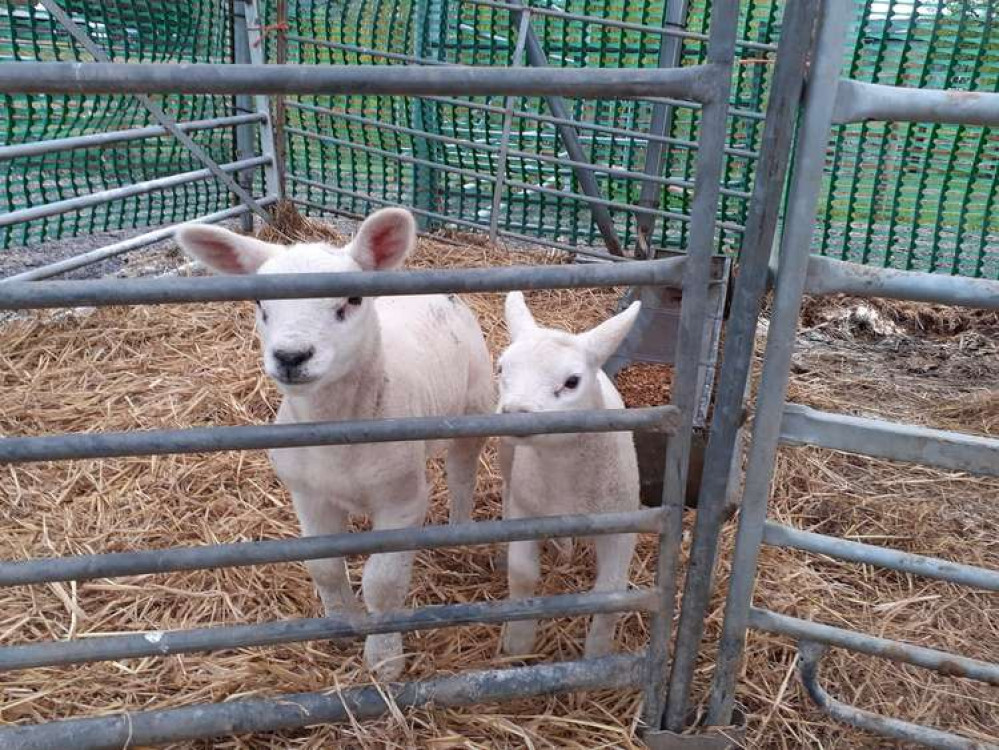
(176, 366)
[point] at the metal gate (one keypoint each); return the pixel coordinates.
(706, 86)
(828, 99)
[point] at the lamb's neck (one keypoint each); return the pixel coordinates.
(357, 395)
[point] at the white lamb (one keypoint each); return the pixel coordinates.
(354, 358)
(544, 475)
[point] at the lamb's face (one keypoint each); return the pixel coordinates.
(306, 342)
(546, 370)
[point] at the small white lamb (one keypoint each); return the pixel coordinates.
(354, 358)
(546, 475)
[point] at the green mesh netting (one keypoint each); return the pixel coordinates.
(132, 30)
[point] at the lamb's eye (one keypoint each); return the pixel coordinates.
(341, 314)
(572, 382)
(354, 301)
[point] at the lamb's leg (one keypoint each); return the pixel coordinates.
(386, 580)
(317, 516)
(462, 463)
(523, 572)
(505, 453)
(613, 561)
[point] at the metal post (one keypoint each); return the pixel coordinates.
(242, 103)
(693, 324)
(662, 119)
(523, 29)
(796, 43)
(261, 104)
(796, 241)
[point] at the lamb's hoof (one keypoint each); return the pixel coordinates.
(518, 638)
(384, 657)
(597, 647)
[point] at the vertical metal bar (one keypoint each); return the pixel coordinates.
(242, 102)
(796, 43)
(793, 266)
(508, 106)
(57, 12)
(570, 139)
(693, 322)
(255, 55)
(278, 101)
(424, 176)
(662, 119)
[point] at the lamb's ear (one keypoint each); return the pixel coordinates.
(224, 251)
(384, 239)
(601, 342)
(518, 318)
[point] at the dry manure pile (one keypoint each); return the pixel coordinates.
(180, 366)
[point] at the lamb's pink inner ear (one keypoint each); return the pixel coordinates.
(384, 239)
(224, 251)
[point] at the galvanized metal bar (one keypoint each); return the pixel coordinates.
(81, 202)
(688, 372)
(132, 243)
(244, 136)
(489, 148)
(842, 549)
(662, 119)
(154, 109)
(802, 425)
(904, 731)
(677, 32)
(174, 290)
(345, 625)
(863, 102)
(490, 178)
(809, 162)
(447, 219)
(943, 662)
(828, 276)
(291, 711)
(241, 554)
(347, 432)
(570, 140)
(721, 452)
(268, 145)
(691, 82)
(110, 138)
(523, 30)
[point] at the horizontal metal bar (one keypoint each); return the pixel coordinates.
(174, 290)
(811, 654)
(929, 567)
(345, 625)
(290, 711)
(694, 82)
(860, 102)
(943, 662)
(612, 171)
(617, 205)
(666, 30)
(81, 202)
(447, 219)
(132, 243)
(241, 554)
(101, 140)
(802, 425)
(349, 432)
(828, 276)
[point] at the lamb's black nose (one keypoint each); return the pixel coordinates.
(293, 358)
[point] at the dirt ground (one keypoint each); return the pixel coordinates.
(176, 366)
